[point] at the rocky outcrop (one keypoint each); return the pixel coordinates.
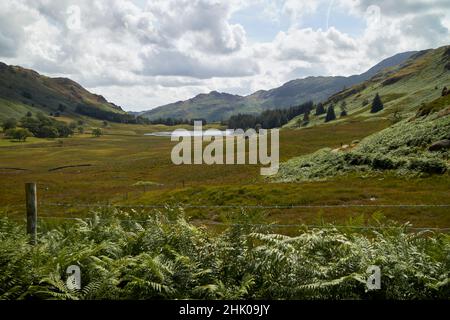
(440, 145)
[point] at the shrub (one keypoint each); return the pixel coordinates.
(45, 127)
(48, 132)
(10, 123)
(428, 165)
(18, 134)
(97, 132)
(383, 162)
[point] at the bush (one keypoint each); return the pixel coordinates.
(97, 132)
(10, 123)
(428, 165)
(18, 134)
(45, 127)
(48, 132)
(383, 162)
(355, 158)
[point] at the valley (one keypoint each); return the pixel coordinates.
(123, 157)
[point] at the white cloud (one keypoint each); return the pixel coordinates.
(297, 9)
(144, 55)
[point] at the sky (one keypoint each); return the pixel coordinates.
(142, 54)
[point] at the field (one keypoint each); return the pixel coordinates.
(124, 167)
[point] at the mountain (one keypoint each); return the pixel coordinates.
(403, 88)
(217, 106)
(23, 90)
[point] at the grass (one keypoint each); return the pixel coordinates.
(402, 147)
(124, 157)
(4, 142)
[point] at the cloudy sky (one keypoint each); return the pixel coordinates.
(141, 54)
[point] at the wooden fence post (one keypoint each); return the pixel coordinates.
(31, 198)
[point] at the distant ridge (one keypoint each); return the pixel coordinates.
(216, 106)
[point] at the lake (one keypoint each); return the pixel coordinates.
(190, 133)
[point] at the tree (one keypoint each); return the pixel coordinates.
(73, 126)
(29, 114)
(10, 123)
(396, 114)
(343, 109)
(62, 108)
(330, 114)
(365, 102)
(64, 131)
(80, 130)
(444, 91)
(48, 132)
(320, 109)
(27, 95)
(306, 118)
(105, 123)
(377, 104)
(97, 132)
(18, 134)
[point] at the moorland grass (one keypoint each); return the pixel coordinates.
(123, 157)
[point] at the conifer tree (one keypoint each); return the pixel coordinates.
(330, 114)
(377, 104)
(320, 109)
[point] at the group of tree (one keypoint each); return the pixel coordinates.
(8, 124)
(170, 121)
(106, 115)
(42, 126)
(269, 119)
(19, 134)
(320, 109)
(377, 106)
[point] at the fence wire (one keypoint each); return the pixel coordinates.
(214, 223)
(236, 206)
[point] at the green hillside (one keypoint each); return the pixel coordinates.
(213, 107)
(217, 106)
(403, 90)
(23, 90)
(403, 148)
